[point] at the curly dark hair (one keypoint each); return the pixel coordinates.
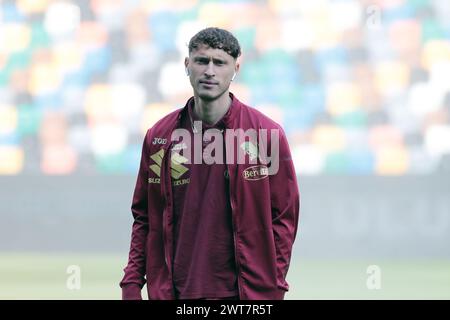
(216, 38)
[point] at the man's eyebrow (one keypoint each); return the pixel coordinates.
(204, 58)
(201, 58)
(219, 60)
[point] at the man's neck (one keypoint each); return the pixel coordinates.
(212, 111)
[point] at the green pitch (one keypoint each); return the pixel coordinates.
(44, 276)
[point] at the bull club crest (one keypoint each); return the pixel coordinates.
(250, 149)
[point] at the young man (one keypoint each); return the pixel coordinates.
(215, 216)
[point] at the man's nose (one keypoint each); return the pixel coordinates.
(209, 72)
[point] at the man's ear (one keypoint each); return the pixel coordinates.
(186, 64)
(236, 67)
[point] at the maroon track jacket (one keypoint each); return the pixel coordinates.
(265, 210)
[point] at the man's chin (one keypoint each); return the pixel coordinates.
(208, 96)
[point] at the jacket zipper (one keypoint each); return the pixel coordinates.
(169, 192)
(236, 257)
(233, 223)
(165, 218)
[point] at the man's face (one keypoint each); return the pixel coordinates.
(210, 71)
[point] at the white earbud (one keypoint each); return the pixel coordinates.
(234, 75)
(187, 72)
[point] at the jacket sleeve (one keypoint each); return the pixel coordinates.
(134, 278)
(285, 202)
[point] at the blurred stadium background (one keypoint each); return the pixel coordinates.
(362, 88)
